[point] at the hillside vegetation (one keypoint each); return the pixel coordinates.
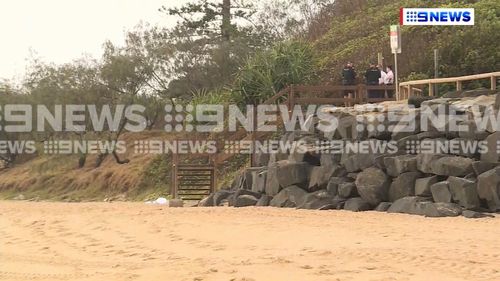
(360, 29)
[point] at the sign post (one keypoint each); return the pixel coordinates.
(396, 49)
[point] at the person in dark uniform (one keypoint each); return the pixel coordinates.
(348, 77)
(372, 76)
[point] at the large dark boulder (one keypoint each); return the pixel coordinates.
(383, 206)
(373, 185)
(220, 196)
(464, 192)
(441, 192)
(425, 160)
(259, 181)
(397, 165)
(245, 201)
(403, 186)
(423, 186)
(237, 193)
(480, 167)
(358, 161)
(348, 190)
(293, 173)
(272, 184)
(493, 155)
(439, 210)
(264, 201)
(319, 200)
(320, 175)
(452, 166)
(334, 184)
(475, 215)
(408, 205)
(207, 201)
(488, 188)
(357, 204)
(290, 197)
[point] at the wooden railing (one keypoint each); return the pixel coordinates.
(415, 88)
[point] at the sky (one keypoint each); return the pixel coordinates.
(60, 31)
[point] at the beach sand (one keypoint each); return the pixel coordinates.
(134, 241)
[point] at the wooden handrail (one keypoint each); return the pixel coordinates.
(451, 79)
(407, 89)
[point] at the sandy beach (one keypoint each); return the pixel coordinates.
(133, 241)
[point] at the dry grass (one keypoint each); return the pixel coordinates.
(59, 178)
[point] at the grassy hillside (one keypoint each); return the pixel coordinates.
(359, 30)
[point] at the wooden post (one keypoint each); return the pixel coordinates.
(408, 91)
(214, 174)
(175, 166)
(459, 86)
(493, 82)
(431, 90)
(254, 136)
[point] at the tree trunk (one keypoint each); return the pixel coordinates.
(226, 37)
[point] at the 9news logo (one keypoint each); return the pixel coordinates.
(436, 16)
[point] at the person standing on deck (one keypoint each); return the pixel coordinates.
(348, 77)
(389, 79)
(372, 76)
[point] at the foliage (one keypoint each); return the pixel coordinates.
(268, 72)
(359, 30)
(156, 176)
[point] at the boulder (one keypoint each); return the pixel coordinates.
(475, 215)
(472, 132)
(320, 175)
(488, 188)
(334, 183)
(493, 155)
(319, 200)
(441, 192)
(423, 186)
(373, 185)
(425, 160)
(259, 181)
(264, 201)
(383, 206)
(407, 205)
(403, 186)
(237, 193)
(358, 161)
(397, 165)
(357, 205)
(245, 201)
(327, 159)
(480, 167)
(438, 210)
(207, 201)
(347, 128)
(220, 196)
(293, 173)
(464, 192)
(289, 197)
(272, 184)
(452, 166)
(348, 190)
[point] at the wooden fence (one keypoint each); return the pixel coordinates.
(415, 88)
